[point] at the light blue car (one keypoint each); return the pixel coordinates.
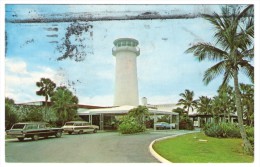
(164, 125)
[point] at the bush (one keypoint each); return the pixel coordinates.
(129, 125)
(10, 117)
(222, 130)
(186, 124)
(250, 134)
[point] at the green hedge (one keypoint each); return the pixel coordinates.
(186, 124)
(227, 130)
(222, 130)
(129, 125)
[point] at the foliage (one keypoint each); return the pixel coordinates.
(222, 130)
(233, 52)
(139, 114)
(134, 121)
(180, 111)
(47, 88)
(228, 130)
(189, 149)
(186, 124)
(223, 104)
(250, 134)
(204, 105)
(129, 125)
(247, 99)
(64, 104)
(187, 100)
(149, 123)
(164, 118)
(35, 114)
(10, 113)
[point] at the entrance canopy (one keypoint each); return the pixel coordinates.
(120, 110)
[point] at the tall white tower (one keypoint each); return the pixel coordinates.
(126, 85)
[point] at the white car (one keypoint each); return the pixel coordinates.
(79, 127)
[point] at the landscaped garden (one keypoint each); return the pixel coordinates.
(199, 148)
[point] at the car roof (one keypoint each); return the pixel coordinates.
(32, 123)
(77, 122)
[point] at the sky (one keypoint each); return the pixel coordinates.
(164, 69)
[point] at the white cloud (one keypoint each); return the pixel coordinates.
(18, 67)
(20, 82)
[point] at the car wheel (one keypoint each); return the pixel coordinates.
(58, 134)
(95, 131)
(69, 133)
(35, 137)
(20, 138)
(80, 132)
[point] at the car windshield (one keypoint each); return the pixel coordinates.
(69, 123)
(18, 126)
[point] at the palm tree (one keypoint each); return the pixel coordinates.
(234, 50)
(204, 106)
(227, 102)
(65, 104)
(139, 114)
(47, 87)
(187, 100)
(247, 94)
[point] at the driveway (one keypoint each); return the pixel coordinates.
(101, 147)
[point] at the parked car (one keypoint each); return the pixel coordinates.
(164, 125)
(78, 127)
(33, 130)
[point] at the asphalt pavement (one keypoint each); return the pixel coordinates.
(101, 147)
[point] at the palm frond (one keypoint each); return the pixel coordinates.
(245, 12)
(214, 71)
(227, 77)
(215, 20)
(248, 54)
(206, 51)
(248, 70)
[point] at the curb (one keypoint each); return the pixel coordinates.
(155, 154)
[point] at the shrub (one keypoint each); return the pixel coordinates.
(186, 124)
(250, 134)
(213, 130)
(134, 122)
(10, 117)
(129, 125)
(222, 130)
(228, 130)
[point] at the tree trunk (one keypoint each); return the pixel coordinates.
(247, 146)
(45, 112)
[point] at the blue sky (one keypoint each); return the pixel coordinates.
(164, 70)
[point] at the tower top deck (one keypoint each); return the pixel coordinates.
(126, 42)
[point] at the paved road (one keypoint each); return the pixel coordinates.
(103, 147)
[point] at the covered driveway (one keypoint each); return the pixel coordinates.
(123, 110)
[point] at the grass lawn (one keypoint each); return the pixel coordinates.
(188, 149)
